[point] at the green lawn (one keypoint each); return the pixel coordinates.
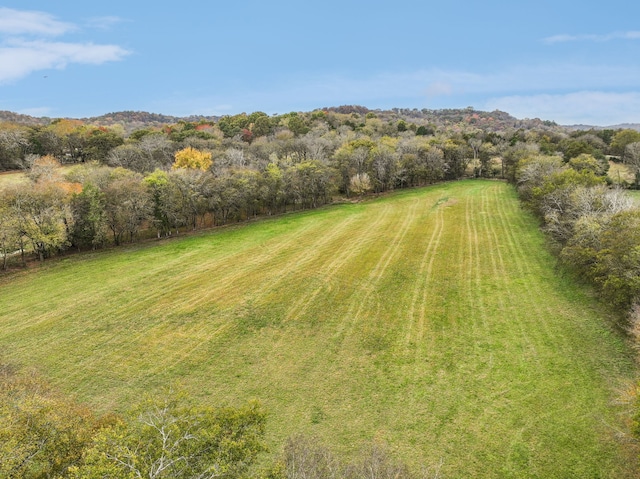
(433, 319)
(12, 178)
(635, 194)
(18, 177)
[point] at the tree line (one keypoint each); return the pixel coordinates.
(594, 230)
(117, 188)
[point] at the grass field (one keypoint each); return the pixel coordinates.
(620, 174)
(18, 177)
(432, 319)
(12, 178)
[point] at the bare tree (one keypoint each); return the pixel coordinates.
(632, 158)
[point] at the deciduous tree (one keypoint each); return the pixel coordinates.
(42, 433)
(632, 158)
(89, 217)
(169, 438)
(192, 158)
(43, 216)
(126, 204)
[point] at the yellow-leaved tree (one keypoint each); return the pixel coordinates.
(192, 158)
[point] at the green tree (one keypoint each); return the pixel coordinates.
(309, 183)
(617, 263)
(43, 217)
(126, 204)
(297, 124)
(100, 141)
(272, 188)
(575, 147)
(588, 162)
(261, 126)
(9, 228)
(353, 158)
(188, 196)
(457, 157)
(233, 125)
(42, 433)
(170, 438)
(89, 217)
(622, 139)
(163, 207)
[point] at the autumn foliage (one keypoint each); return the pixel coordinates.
(192, 159)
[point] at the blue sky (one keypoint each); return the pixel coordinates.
(567, 61)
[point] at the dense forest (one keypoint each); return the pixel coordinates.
(129, 176)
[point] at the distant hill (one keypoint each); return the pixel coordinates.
(133, 120)
(494, 120)
(130, 120)
(621, 126)
(11, 117)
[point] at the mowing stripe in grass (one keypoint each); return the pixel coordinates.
(430, 318)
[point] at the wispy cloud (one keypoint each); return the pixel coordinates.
(587, 107)
(36, 111)
(433, 83)
(23, 22)
(564, 38)
(104, 23)
(568, 93)
(26, 45)
(20, 58)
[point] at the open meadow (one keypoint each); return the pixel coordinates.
(433, 319)
(12, 178)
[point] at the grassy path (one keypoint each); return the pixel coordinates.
(431, 319)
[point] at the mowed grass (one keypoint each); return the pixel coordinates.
(431, 319)
(12, 178)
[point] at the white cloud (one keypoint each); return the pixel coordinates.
(36, 111)
(20, 58)
(438, 88)
(586, 107)
(25, 48)
(563, 38)
(547, 91)
(104, 23)
(20, 22)
(541, 77)
(566, 93)
(431, 83)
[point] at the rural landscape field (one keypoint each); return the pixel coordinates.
(431, 319)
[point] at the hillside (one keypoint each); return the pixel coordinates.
(130, 120)
(431, 319)
(134, 120)
(621, 126)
